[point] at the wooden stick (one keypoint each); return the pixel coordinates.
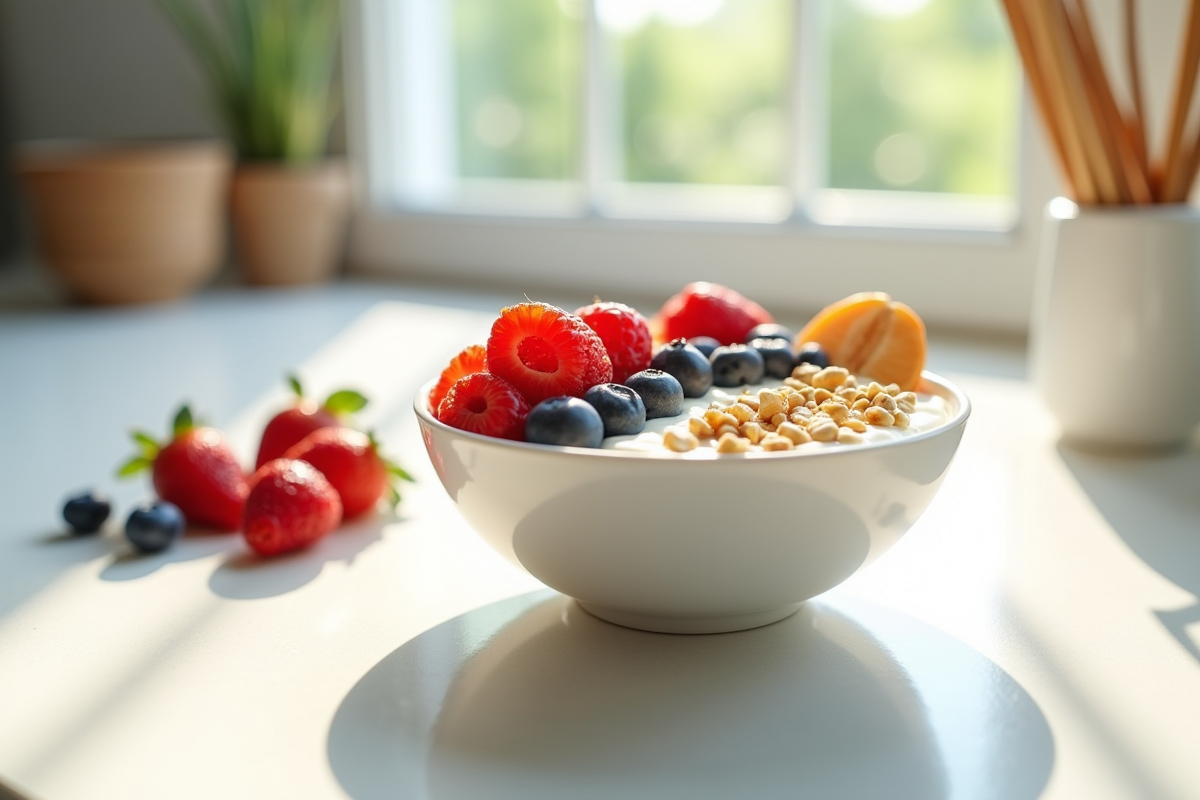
(1090, 124)
(1050, 56)
(1132, 182)
(1193, 167)
(1035, 75)
(1175, 165)
(1136, 123)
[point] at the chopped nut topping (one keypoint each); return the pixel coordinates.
(680, 441)
(732, 443)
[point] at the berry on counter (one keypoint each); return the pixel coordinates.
(545, 352)
(486, 404)
(776, 355)
(687, 364)
(87, 511)
(625, 333)
(155, 527)
(291, 506)
(771, 330)
(567, 421)
(471, 360)
(705, 344)
(812, 353)
(661, 393)
(871, 334)
(737, 365)
(293, 424)
(197, 471)
(621, 408)
(709, 309)
(352, 464)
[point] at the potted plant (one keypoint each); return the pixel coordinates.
(271, 66)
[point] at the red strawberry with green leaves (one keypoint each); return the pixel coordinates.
(486, 404)
(546, 352)
(626, 336)
(471, 360)
(352, 463)
(292, 424)
(197, 471)
(708, 309)
(290, 506)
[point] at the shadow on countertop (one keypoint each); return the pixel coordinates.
(534, 698)
(1152, 502)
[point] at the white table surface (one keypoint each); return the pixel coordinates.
(1036, 634)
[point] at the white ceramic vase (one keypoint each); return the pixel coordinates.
(1115, 336)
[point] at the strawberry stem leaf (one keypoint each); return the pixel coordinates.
(148, 446)
(294, 382)
(183, 420)
(396, 471)
(133, 466)
(393, 497)
(346, 401)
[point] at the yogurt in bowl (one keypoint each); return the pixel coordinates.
(700, 541)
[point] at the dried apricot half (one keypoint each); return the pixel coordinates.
(871, 335)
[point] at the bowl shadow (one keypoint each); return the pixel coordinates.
(1152, 502)
(534, 698)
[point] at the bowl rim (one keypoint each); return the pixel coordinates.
(929, 380)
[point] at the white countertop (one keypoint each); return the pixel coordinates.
(1036, 634)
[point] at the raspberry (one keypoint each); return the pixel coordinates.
(546, 352)
(468, 362)
(626, 336)
(486, 404)
(709, 309)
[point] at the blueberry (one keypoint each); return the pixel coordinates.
(153, 528)
(737, 365)
(769, 330)
(776, 355)
(705, 344)
(621, 409)
(564, 421)
(86, 511)
(660, 391)
(812, 353)
(687, 364)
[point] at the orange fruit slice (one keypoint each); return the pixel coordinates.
(873, 336)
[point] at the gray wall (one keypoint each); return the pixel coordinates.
(90, 69)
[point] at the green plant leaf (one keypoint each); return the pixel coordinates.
(393, 497)
(397, 471)
(183, 420)
(294, 382)
(149, 446)
(346, 401)
(133, 466)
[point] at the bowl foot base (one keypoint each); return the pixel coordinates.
(722, 623)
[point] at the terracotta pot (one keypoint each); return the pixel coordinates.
(128, 223)
(289, 222)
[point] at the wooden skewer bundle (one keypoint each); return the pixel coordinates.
(1099, 142)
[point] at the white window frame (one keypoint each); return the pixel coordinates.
(954, 275)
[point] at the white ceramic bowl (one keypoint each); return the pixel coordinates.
(662, 543)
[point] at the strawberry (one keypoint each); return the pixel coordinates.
(626, 336)
(351, 462)
(468, 362)
(197, 471)
(293, 424)
(487, 404)
(291, 506)
(709, 309)
(546, 352)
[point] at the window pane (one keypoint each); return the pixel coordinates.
(923, 96)
(517, 74)
(701, 88)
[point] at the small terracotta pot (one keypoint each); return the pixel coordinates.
(128, 223)
(289, 222)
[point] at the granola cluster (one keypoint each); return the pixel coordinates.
(812, 405)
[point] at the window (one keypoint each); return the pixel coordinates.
(799, 149)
